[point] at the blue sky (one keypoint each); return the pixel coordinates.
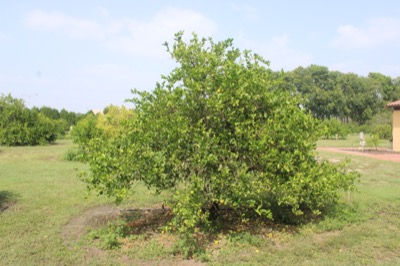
(83, 55)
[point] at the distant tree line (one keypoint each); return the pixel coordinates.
(20, 125)
(344, 96)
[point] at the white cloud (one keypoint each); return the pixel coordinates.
(248, 12)
(278, 51)
(134, 37)
(146, 37)
(54, 20)
(376, 32)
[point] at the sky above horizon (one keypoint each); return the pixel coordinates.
(85, 55)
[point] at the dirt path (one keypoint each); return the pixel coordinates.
(385, 155)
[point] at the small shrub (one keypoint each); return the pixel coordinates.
(84, 131)
(188, 246)
(352, 128)
(383, 131)
(373, 141)
(333, 128)
(73, 155)
(380, 125)
(109, 237)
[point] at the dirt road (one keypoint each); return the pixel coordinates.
(385, 155)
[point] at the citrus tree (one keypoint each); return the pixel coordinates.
(20, 125)
(219, 132)
(106, 125)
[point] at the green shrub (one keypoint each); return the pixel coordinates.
(110, 236)
(383, 131)
(352, 128)
(22, 126)
(84, 131)
(373, 141)
(380, 125)
(333, 128)
(108, 125)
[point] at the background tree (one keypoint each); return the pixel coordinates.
(84, 131)
(347, 97)
(110, 124)
(22, 126)
(72, 118)
(384, 87)
(51, 113)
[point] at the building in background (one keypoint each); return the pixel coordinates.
(396, 124)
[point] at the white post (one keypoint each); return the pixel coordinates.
(362, 141)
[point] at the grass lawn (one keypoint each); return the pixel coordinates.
(352, 141)
(45, 219)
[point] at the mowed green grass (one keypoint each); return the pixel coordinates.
(352, 141)
(40, 194)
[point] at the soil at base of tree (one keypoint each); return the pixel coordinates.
(99, 216)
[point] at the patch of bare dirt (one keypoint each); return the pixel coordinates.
(139, 221)
(166, 263)
(325, 236)
(78, 226)
(146, 220)
(380, 154)
(51, 158)
(95, 252)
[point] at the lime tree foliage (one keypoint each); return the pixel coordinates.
(20, 125)
(108, 124)
(220, 133)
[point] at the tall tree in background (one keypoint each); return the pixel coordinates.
(50, 112)
(332, 94)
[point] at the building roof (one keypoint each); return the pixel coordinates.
(395, 104)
